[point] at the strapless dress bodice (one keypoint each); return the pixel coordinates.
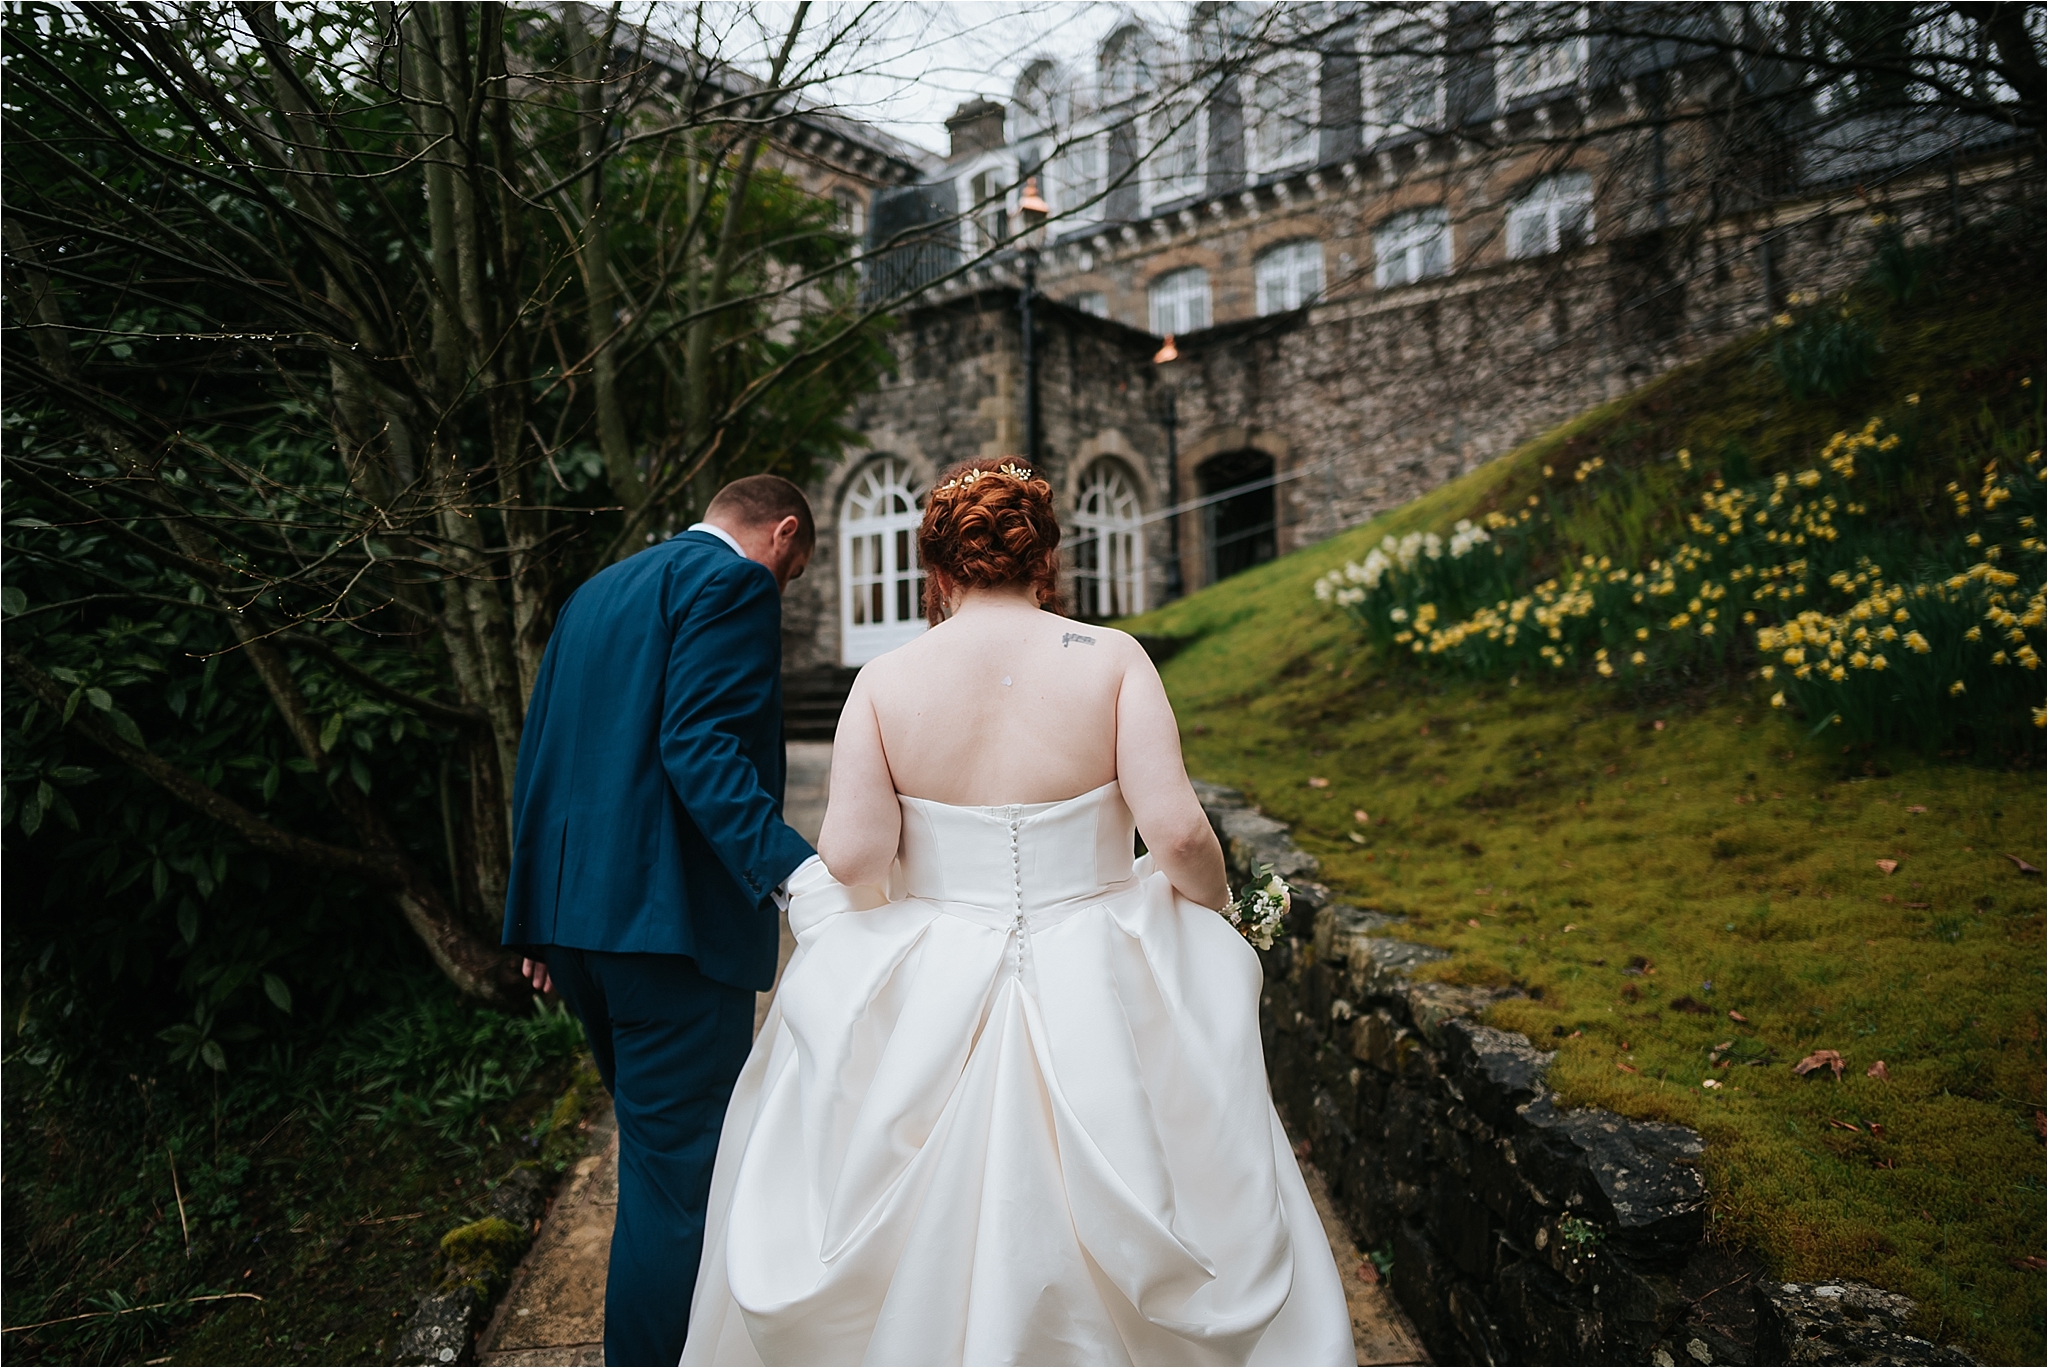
(1031, 859)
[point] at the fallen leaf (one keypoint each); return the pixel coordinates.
(1916, 808)
(1710, 1082)
(1879, 1072)
(1301, 1150)
(1471, 921)
(1886, 897)
(1317, 781)
(1818, 1060)
(2041, 1124)
(1737, 1016)
(1361, 816)
(1356, 838)
(1886, 865)
(2033, 1263)
(1876, 1129)
(1624, 1045)
(1569, 928)
(1367, 1274)
(1845, 1125)
(2022, 865)
(1921, 906)
(1627, 1068)
(1726, 1044)
(1659, 726)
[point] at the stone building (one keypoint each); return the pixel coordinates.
(1382, 255)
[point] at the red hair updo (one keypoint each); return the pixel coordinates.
(989, 523)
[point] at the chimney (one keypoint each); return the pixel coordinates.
(976, 126)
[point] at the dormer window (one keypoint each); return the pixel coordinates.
(1126, 64)
(1173, 168)
(1405, 79)
(1282, 114)
(1543, 48)
(1076, 174)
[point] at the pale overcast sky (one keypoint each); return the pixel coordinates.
(917, 60)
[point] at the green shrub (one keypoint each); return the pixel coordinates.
(1829, 351)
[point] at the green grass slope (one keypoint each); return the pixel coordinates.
(1685, 883)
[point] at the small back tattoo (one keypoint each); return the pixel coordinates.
(1075, 638)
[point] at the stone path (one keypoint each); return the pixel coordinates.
(554, 1310)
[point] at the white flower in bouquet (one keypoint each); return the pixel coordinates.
(1260, 912)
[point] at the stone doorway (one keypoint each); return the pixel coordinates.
(1241, 529)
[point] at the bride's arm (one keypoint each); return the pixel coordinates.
(862, 820)
(1155, 785)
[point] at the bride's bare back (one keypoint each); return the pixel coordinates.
(1006, 703)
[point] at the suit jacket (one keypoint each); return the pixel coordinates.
(647, 808)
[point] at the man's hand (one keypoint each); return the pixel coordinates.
(538, 972)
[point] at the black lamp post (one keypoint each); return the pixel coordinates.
(1169, 418)
(1032, 208)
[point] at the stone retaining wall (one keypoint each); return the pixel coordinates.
(1521, 1232)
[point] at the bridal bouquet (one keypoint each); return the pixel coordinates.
(1260, 910)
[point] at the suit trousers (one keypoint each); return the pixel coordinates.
(669, 1044)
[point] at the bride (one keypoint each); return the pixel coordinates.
(1009, 1104)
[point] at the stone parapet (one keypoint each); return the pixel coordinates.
(1521, 1231)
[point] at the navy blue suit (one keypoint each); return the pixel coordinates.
(647, 841)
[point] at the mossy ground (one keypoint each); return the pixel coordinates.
(1644, 865)
(306, 1201)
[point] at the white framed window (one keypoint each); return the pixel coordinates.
(1091, 302)
(1289, 275)
(1541, 48)
(989, 220)
(1281, 111)
(1556, 213)
(853, 210)
(1109, 544)
(1405, 79)
(881, 602)
(1180, 301)
(1076, 174)
(1039, 101)
(1126, 64)
(1173, 163)
(1410, 247)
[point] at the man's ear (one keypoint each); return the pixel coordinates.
(787, 530)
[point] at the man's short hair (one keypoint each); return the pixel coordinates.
(757, 500)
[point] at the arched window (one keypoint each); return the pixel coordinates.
(1289, 275)
(1109, 545)
(1180, 301)
(1126, 64)
(881, 603)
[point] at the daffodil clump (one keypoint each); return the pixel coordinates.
(1782, 563)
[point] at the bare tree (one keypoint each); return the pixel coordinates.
(312, 308)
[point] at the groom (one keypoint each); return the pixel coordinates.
(648, 858)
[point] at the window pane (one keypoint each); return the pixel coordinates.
(875, 600)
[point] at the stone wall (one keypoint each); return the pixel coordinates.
(1521, 1231)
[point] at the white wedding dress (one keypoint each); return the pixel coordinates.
(1016, 1113)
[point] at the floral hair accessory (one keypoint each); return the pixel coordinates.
(1009, 468)
(1260, 911)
